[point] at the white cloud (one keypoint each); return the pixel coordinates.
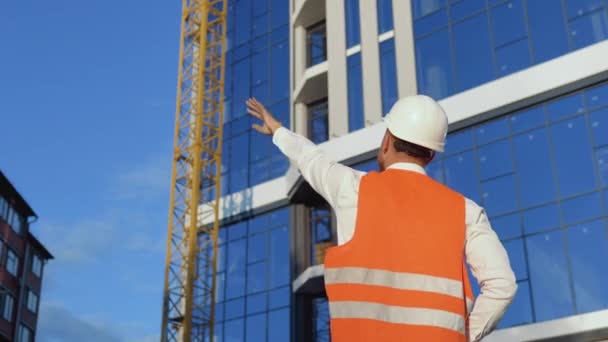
(57, 324)
(151, 179)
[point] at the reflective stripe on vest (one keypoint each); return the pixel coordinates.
(397, 280)
(397, 314)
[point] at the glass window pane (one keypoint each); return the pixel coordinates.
(234, 330)
(279, 72)
(257, 248)
(464, 8)
(520, 310)
(499, 195)
(495, 159)
(355, 93)
(578, 7)
(602, 164)
(597, 96)
(279, 321)
(235, 282)
(528, 119)
(256, 328)
(261, 25)
(507, 227)
(237, 230)
(581, 208)
(435, 170)
(547, 29)
(473, 52)
(508, 22)
(256, 303)
(260, 72)
(513, 57)
(434, 65)
(492, 130)
(541, 218)
(534, 172)
(431, 23)
(566, 106)
(257, 277)
(517, 258)
(388, 77)
(572, 155)
(241, 88)
(279, 297)
(351, 13)
(279, 34)
(243, 21)
(424, 7)
(461, 175)
(235, 308)
(280, 12)
(599, 126)
(279, 257)
(279, 217)
(385, 15)
(459, 141)
(589, 29)
(549, 276)
(588, 251)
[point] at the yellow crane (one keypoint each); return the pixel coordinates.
(190, 270)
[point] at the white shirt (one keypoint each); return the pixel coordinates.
(486, 256)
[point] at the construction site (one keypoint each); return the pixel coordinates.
(526, 141)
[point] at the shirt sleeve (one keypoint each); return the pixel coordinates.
(490, 265)
(326, 176)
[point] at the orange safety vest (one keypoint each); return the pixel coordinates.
(402, 276)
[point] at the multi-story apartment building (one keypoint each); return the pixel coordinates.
(524, 86)
(22, 260)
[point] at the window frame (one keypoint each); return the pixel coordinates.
(309, 109)
(21, 328)
(17, 258)
(29, 294)
(317, 27)
(3, 308)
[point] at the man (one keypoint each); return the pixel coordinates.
(398, 272)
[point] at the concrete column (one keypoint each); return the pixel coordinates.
(405, 52)
(370, 62)
(298, 67)
(300, 123)
(336, 59)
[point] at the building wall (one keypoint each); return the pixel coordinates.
(535, 157)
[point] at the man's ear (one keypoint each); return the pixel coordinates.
(386, 143)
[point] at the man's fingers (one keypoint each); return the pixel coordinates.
(255, 113)
(259, 128)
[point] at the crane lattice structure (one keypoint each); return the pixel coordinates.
(190, 271)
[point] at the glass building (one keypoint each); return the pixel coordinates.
(525, 86)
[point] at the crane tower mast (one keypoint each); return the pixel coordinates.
(190, 269)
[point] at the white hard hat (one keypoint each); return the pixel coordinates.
(419, 120)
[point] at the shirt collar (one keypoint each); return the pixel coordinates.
(408, 167)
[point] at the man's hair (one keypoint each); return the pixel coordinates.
(412, 150)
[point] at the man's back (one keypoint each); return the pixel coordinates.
(376, 288)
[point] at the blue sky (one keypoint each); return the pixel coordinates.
(87, 100)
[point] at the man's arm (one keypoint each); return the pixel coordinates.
(490, 265)
(324, 175)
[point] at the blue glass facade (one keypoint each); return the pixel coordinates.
(355, 92)
(253, 279)
(353, 29)
(462, 44)
(257, 64)
(542, 175)
(385, 15)
(388, 75)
